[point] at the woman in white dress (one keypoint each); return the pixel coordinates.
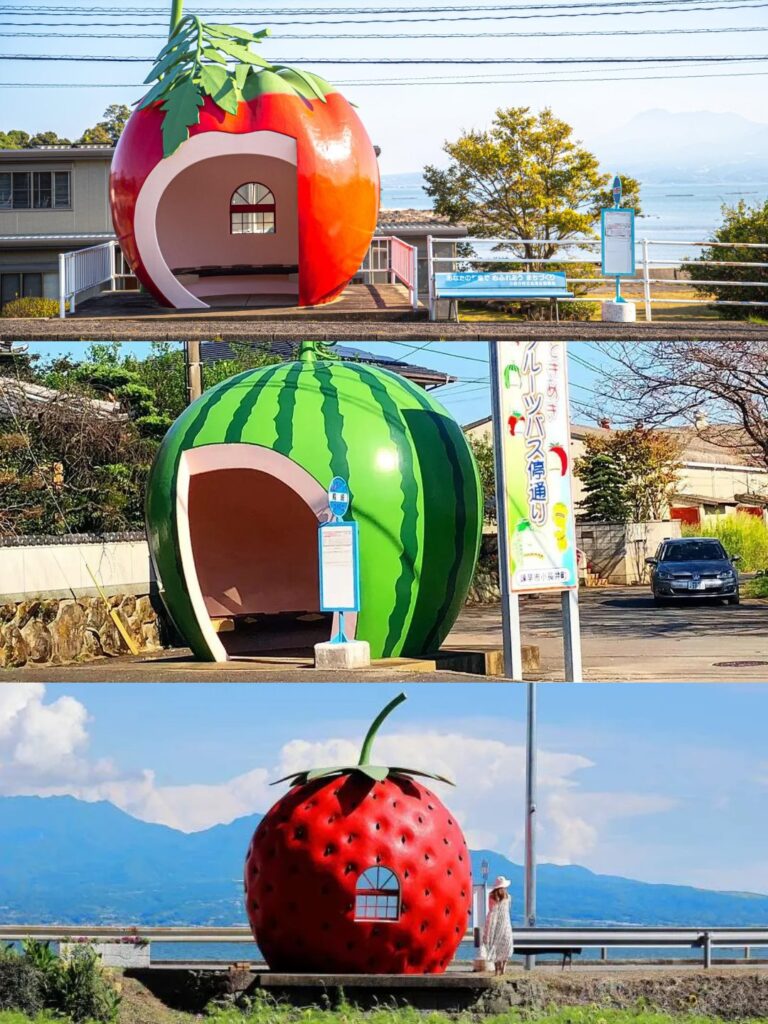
(497, 934)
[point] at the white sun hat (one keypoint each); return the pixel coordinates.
(501, 883)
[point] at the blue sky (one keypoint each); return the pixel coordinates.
(468, 399)
(664, 783)
(409, 121)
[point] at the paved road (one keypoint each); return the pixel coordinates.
(626, 638)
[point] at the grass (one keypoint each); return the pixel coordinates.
(758, 587)
(485, 313)
(265, 1011)
(740, 534)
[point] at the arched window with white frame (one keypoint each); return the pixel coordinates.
(252, 210)
(377, 895)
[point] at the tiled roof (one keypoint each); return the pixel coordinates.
(418, 221)
(423, 375)
(725, 443)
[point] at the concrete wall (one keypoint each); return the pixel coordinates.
(617, 551)
(59, 570)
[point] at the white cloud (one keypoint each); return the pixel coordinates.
(44, 751)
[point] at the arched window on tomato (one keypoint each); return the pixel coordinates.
(377, 895)
(252, 210)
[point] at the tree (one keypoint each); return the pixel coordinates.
(627, 475)
(47, 139)
(604, 483)
(741, 223)
(14, 139)
(482, 449)
(107, 131)
(720, 387)
(67, 465)
(525, 177)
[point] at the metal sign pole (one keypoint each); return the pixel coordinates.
(510, 606)
(530, 819)
(569, 599)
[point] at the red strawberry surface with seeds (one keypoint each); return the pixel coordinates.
(359, 869)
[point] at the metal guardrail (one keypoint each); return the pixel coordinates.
(645, 263)
(82, 270)
(541, 939)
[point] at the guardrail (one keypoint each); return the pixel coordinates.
(645, 263)
(390, 255)
(82, 270)
(541, 939)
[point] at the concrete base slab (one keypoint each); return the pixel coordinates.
(346, 656)
(484, 663)
(405, 664)
(619, 312)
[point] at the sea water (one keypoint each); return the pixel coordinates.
(232, 952)
(673, 211)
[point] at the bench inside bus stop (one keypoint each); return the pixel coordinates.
(512, 287)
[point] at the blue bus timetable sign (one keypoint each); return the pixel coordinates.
(338, 497)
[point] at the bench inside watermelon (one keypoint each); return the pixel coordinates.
(239, 488)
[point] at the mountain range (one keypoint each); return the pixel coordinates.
(66, 861)
(662, 146)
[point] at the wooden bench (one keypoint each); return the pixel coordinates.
(566, 952)
(518, 287)
(240, 270)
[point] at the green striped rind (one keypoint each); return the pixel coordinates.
(415, 489)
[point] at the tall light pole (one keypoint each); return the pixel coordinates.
(530, 818)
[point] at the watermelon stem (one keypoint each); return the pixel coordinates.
(370, 736)
(308, 351)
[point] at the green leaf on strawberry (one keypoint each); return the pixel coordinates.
(376, 772)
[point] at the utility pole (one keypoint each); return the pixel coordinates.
(194, 370)
(530, 819)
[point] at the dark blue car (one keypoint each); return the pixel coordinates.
(693, 567)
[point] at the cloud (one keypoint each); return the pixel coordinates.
(44, 751)
(38, 738)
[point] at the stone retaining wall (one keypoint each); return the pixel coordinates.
(55, 631)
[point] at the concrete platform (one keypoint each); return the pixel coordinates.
(358, 326)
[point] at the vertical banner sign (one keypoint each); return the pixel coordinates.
(535, 442)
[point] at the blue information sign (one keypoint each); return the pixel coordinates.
(338, 497)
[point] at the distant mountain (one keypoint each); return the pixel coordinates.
(71, 862)
(661, 146)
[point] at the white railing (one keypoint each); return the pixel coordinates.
(391, 256)
(538, 941)
(583, 251)
(83, 270)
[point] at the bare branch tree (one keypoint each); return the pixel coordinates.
(720, 388)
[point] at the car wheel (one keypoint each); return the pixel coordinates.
(736, 599)
(658, 601)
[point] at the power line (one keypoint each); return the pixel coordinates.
(544, 34)
(378, 10)
(419, 81)
(417, 61)
(415, 17)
